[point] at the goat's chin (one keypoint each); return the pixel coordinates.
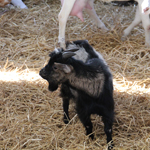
(52, 87)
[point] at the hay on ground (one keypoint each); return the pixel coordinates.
(31, 116)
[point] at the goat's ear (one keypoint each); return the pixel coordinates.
(63, 67)
(67, 69)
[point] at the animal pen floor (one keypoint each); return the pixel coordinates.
(31, 116)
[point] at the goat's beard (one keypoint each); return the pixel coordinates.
(52, 87)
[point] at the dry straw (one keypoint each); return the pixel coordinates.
(31, 116)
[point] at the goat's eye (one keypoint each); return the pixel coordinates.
(54, 67)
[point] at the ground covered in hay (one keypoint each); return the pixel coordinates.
(31, 116)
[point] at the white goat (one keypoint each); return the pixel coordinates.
(75, 8)
(142, 14)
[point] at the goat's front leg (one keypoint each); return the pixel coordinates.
(92, 14)
(65, 108)
(63, 17)
(66, 95)
(146, 25)
(136, 21)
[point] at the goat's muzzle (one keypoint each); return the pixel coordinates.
(43, 74)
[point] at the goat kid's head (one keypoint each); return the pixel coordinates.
(57, 70)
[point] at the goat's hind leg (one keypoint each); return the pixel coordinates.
(86, 121)
(136, 21)
(147, 36)
(63, 17)
(146, 25)
(108, 117)
(92, 14)
(108, 122)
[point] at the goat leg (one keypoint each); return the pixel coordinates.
(108, 131)
(86, 121)
(66, 107)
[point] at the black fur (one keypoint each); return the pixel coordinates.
(86, 104)
(124, 3)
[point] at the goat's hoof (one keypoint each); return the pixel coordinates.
(123, 38)
(57, 44)
(61, 45)
(66, 121)
(110, 145)
(91, 136)
(147, 44)
(104, 29)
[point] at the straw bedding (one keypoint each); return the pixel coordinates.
(31, 116)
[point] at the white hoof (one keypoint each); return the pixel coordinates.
(123, 38)
(62, 45)
(104, 29)
(147, 44)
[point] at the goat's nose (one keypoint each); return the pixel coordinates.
(41, 73)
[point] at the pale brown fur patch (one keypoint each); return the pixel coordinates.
(92, 87)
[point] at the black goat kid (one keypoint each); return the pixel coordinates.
(87, 80)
